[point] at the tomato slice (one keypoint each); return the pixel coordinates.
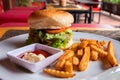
(54, 31)
(37, 52)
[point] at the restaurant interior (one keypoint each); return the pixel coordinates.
(97, 17)
(104, 14)
(59, 39)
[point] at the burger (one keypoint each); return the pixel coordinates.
(50, 27)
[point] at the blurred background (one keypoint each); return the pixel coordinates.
(109, 9)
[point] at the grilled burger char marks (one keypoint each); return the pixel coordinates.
(50, 28)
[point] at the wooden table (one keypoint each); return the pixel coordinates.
(68, 7)
(87, 2)
(92, 28)
(4, 30)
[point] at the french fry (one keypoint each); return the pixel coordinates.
(93, 55)
(92, 42)
(61, 61)
(74, 47)
(75, 61)
(68, 67)
(57, 73)
(96, 44)
(70, 60)
(67, 54)
(83, 44)
(85, 59)
(100, 51)
(89, 40)
(75, 68)
(63, 56)
(102, 43)
(79, 53)
(105, 63)
(111, 54)
(60, 64)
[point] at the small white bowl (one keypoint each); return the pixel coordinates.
(34, 67)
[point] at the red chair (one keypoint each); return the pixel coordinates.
(97, 9)
(16, 14)
(20, 14)
(40, 4)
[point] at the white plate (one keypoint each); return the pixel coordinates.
(10, 71)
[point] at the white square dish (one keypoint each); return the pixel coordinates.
(34, 67)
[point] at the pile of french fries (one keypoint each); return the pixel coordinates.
(77, 57)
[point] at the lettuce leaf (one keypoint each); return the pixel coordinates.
(59, 43)
(58, 40)
(61, 38)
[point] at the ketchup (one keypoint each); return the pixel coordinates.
(37, 52)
